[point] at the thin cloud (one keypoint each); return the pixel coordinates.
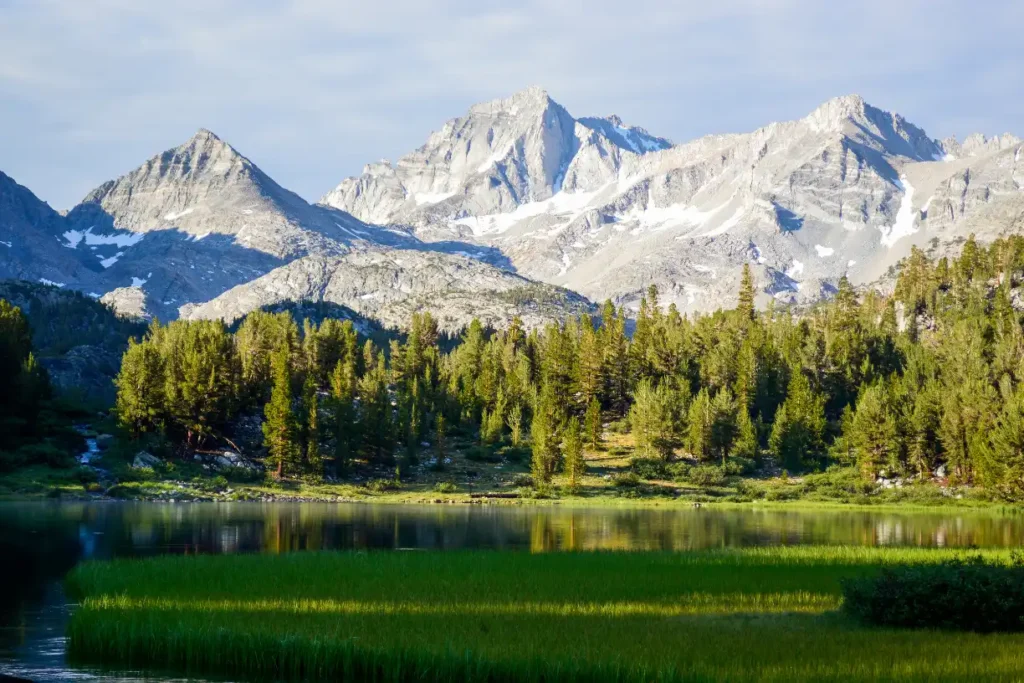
(313, 89)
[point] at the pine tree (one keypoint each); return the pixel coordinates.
(650, 420)
(745, 307)
(346, 441)
(575, 465)
(279, 428)
(797, 434)
(439, 441)
(592, 423)
(701, 421)
(314, 461)
(723, 425)
(140, 388)
(873, 435)
(515, 423)
(746, 444)
(545, 437)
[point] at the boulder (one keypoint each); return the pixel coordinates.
(229, 459)
(104, 441)
(144, 459)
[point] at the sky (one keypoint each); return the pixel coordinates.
(311, 90)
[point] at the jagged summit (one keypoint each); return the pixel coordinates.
(590, 203)
(852, 116)
(528, 99)
(978, 144)
(501, 155)
(606, 208)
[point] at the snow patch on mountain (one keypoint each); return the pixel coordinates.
(122, 240)
(904, 223)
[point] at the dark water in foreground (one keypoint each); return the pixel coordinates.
(41, 542)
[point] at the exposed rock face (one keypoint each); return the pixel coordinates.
(201, 220)
(845, 190)
(390, 286)
(517, 192)
(29, 237)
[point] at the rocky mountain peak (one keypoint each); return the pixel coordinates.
(531, 99)
(883, 131)
(833, 114)
(978, 144)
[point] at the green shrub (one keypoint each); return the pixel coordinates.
(737, 465)
(94, 487)
(383, 485)
(445, 487)
(649, 468)
(138, 474)
(626, 480)
(619, 426)
(242, 475)
(522, 481)
(966, 595)
(782, 493)
(750, 490)
(679, 471)
(85, 475)
(515, 453)
(707, 475)
(481, 454)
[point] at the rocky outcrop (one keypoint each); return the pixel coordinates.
(200, 230)
(846, 190)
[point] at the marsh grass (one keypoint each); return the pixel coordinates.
(738, 615)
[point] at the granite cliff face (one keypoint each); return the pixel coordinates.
(519, 209)
(201, 231)
(606, 210)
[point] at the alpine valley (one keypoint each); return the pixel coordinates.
(519, 209)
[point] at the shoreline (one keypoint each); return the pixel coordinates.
(428, 498)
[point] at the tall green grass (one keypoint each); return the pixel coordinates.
(756, 614)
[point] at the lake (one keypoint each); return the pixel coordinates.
(40, 542)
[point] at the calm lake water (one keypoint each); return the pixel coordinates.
(41, 542)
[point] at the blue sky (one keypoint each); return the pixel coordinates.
(312, 89)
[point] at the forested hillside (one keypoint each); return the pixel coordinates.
(33, 429)
(926, 382)
(75, 337)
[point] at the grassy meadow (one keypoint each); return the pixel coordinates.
(725, 615)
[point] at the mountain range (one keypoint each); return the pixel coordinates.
(519, 209)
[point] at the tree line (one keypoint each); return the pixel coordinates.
(925, 379)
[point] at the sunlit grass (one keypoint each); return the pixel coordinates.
(756, 614)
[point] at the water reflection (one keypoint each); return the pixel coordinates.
(73, 530)
(40, 542)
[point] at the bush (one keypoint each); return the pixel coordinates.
(782, 493)
(445, 487)
(707, 475)
(515, 453)
(626, 480)
(481, 454)
(679, 471)
(85, 475)
(749, 490)
(522, 481)
(619, 426)
(383, 485)
(966, 595)
(649, 468)
(211, 484)
(242, 475)
(737, 465)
